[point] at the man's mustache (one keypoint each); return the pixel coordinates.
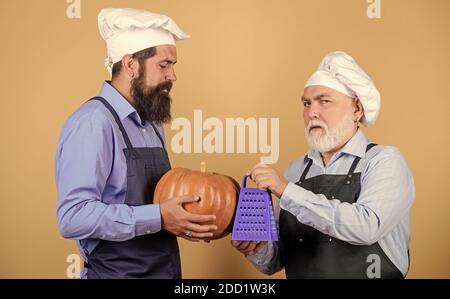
(316, 124)
(165, 86)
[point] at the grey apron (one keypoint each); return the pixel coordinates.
(147, 256)
(308, 253)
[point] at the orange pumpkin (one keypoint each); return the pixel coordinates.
(218, 195)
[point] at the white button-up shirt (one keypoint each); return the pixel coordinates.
(381, 213)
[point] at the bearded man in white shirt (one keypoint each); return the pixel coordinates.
(344, 208)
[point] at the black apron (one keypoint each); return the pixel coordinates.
(154, 255)
(308, 253)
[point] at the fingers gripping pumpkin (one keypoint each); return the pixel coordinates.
(218, 195)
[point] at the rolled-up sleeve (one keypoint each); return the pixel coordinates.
(84, 161)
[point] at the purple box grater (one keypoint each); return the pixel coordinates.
(254, 219)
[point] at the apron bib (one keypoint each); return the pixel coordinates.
(308, 253)
(147, 256)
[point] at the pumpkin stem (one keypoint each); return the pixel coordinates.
(203, 166)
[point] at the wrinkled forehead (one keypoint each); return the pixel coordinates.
(166, 52)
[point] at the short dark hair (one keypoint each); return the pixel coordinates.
(141, 56)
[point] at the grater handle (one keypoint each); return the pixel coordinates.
(244, 181)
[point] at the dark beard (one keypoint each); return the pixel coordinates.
(152, 103)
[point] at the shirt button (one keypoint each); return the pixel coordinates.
(148, 231)
(330, 239)
(144, 130)
(300, 240)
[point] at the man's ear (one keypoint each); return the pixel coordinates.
(359, 109)
(129, 65)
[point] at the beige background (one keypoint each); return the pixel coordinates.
(247, 58)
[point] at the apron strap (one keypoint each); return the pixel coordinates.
(116, 117)
(305, 172)
(369, 146)
(356, 161)
(159, 135)
(350, 172)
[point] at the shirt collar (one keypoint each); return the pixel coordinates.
(356, 146)
(119, 103)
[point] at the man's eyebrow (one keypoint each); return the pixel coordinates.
(317, 97)
(321, 96)
(168, 61)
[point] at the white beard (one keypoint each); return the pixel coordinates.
(328, 138)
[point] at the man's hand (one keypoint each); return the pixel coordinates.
(176, 220)
(267, 177)
(249, 247)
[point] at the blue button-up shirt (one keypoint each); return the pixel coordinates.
(381, 213)
(91, 174)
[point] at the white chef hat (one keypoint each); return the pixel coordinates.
(129, 30)
(340, 72)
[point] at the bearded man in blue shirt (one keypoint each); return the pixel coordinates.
(111, 154)
(344, 208)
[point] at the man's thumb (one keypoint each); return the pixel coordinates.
(190, 198)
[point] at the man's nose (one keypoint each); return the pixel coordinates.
(171, 76)
(314, 111)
